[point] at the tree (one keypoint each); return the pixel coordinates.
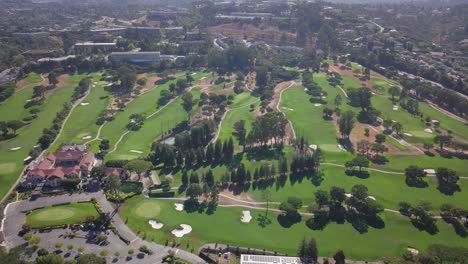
(322, 198)
(49, 259)
(194, 191)
(14, 125)
(240, 133)
(90, 259)
(394, 91)
(447, 180)
(380, 138)
(312, 251)
(301, 252)
(443, 140)
(39, 91)
(387, 124)
(262, 78)
(363, 147)
(327, 112)
(188, 102)
(359, 191)
(337, 194)
(398, 127)
(138, 166)
(359, 161)
(339, 257)
(112, 185)
(266, 195)
(338, 100)
(52, 77)
(414, 176)
(346, 123)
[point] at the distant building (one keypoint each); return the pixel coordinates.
(33, 36)
(262, 259)
(172, 31)
(56, 59)
(141, 57)
(138, 32)
(165, 15)
(93, 47)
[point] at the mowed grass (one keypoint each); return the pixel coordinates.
(82, 121)
(142, 139)
(33, 78)
(27, 136)
(74, 213)
(307, 120)
(240, 110)
(224, 226)
(76, 78)
(13, 107)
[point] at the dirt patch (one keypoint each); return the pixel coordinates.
(228, 198)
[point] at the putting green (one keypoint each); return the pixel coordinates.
(148, 210)
(66, 214)
(55, 213)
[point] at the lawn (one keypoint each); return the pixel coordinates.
(142, 139)
(13, 107)
(33, 78)
(240, 110)
(76, 78)
(68, 214)
(82, 122)
(11, 162)
(224, 226)
(307, 120)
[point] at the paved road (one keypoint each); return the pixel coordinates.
(15, 217)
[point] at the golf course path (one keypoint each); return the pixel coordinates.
(118, 142)
(293, 83)
(344, 92)
(98, 134)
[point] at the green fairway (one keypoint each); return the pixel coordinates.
(13, 107)
(240, 110)
(33, 78)
(446, 122)
(28, 135)
(74, 213)
(308, 121)
(224, 226)
(76, 78)
(140, 141)
(81, 125)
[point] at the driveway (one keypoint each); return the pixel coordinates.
(15, 217)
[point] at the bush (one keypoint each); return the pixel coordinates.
(159, 194)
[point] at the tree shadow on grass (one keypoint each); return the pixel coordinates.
(289, 219)
(357, 173)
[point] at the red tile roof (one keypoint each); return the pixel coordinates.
(116, 171)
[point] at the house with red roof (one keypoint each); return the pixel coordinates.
(56, 166)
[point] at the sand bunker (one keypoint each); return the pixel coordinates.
(305, 89)
(27, 158)
(17, 148)
(155, 225)
(317, 104)
(313, 146)
(84, 104)
(186, 229)
(193, 74)
(348, 195)
(136, 151)
(435, 121)
(202, 78)
(413, 251)
(408, 134)
(179, 207)
(341, 147)
(87, 137)
(371, 197)
(428, 130)
(287, 108)
(430, 171)
(395, 107)
(246, 217)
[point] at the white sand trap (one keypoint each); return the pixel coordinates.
(428, 130)
(29, 100)
(27, 158)
(395, 107)
(84, 104)
(107, 85)
(287, 108)
(246, 217)
(413, 251)
(136, 151)
(305, 89)
(87, 137)
(179, 207)
(202, 78)
(393, 121)
(186, 229)
(408, 134)
(341, 147)
(348, 195)
(430, 171)
(193, 74)
(435, 121)
(317, 104)
(313, 146)
(17, 148)
(94, 85)
(371, 197)
(155, 225)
